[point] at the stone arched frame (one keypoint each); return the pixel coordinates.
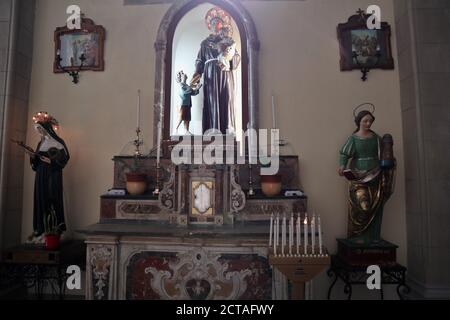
(249, 62)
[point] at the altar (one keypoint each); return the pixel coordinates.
(158, 247)
(203, 227)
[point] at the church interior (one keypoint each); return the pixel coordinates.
(225, 149)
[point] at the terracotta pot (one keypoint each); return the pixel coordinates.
(52, 241)
(271, 185)
(136, 183)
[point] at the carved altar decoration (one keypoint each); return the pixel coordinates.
(100, 270)
(201, 234)
(198, 274)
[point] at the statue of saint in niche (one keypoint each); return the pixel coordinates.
(216, 61)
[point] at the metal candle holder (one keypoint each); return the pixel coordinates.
(138, 143)
(75, 74)
(156, 191)
(251, 192)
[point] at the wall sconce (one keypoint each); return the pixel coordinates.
(368, 64)
(74, 73)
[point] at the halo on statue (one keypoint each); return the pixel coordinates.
(217, 18)
(43, 116)
(358, 108)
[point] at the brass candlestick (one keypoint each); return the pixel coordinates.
(138, 143)
(156, 191)
(251, 192)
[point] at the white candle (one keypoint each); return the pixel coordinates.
(283, 236)
(298, 234)
(313, 233)
(278, 231)
(271, 229)
(158, 151)
(138, 116)
(320, 235)
(291, 234)
(305, 231)
(273, 113)
(275, 236)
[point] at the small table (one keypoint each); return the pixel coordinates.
(35, 266)
(356, 275)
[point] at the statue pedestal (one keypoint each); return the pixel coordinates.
(376, 253)
(299, 270)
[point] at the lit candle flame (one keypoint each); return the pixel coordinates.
(305, 221)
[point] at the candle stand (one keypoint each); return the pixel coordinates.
(299, 269)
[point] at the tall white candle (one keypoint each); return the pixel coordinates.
(291, 234)
(305, 231)
(320, 235)
(138, 115)
(278, 231)
(275, 237)
(271, 230)
(313, 233)
(283, 236)
(298, 234)
(273, 113)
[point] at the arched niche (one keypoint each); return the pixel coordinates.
(164, 71)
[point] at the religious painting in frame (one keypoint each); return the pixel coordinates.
(361, 47)
(71, 45)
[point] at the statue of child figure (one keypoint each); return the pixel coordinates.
(187, 91)
(227, 52)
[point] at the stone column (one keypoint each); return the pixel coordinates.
(423, 36)
(16, 51)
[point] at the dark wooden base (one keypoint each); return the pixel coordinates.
(377, 253)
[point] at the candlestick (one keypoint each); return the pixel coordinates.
(271, 227)
(158, 157)
(251, 192)
(313, 233)
(320, 235)
(137, 143)
(305, 231)
(158, 151)
(273, 113)
(138, 116)
(291, 234)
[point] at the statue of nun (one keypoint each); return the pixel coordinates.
(50, 158)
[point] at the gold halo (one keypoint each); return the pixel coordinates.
(355, 113)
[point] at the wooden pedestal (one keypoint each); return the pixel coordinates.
(380, 253)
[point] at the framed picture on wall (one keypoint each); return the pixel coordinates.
(363, 48)
(79, 48)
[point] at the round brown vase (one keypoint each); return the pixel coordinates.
(136, 183)
(271, 185)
